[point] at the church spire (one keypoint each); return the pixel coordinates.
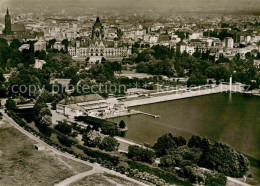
(8, 29)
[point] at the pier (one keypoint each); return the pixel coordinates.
(148, 114)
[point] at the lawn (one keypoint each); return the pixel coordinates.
(103, 179)
(21, 164)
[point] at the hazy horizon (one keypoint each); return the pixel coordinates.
(160, 4)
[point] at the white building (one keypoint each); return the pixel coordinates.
(182, 46)
(24, 47)
(39, 63)
(153, 39)
(40, 45)
(229, 42)
(196, 35)
(81, 105)
(58, 46)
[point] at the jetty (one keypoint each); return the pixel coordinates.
(147, 114)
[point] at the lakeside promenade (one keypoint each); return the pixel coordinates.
(181, 94)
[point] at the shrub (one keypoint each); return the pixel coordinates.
(107, 127)
(98, 154)
(65, 141)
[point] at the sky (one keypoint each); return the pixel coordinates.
(184, 4)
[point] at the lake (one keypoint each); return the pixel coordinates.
(230, 118)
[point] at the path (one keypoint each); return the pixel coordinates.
(233, 180)
(126, 141)
(78, 177)
(96, 167)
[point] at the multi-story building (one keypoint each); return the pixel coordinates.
(97, 45)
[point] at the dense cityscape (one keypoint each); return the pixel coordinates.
(129, 93)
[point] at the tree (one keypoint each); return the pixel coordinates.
(44, 112)
(224, 159)
(215, 179)
(110, 129)
(64, 140)
(91, 139)
(164, 144)
(103, 60)
(87, 59)
(46, 121)
(63, 127)
(122, 124)
(10, 104)
(42, 55)
(179, 141)
(197, 80)
(109, 144)
(2, 78)
(54, 105)
(29, 58)
(199, 142)
(3, 91)
(167, 161)
(65, 42)
(40, 110)
(15, 44)
(140, 154)
(51, 43)
(182, 156)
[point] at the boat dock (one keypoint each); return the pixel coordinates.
(148, 114)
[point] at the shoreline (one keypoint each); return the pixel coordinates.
(171, 95)
(175, 95)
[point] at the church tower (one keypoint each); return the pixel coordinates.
(7, 30)
(97, 30)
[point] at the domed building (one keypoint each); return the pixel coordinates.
(97, 46)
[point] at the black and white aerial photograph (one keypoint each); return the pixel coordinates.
(129, 92)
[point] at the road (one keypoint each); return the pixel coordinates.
(96, 167)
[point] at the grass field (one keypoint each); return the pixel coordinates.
(103, 179)
(21, 164)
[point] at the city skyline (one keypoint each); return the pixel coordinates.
(129, 92)
(187, 5)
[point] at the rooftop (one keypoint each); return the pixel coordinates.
(81, 99)
(18, 28)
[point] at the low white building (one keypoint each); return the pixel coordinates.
(58, 46)
(40, 45)
(81, 105)
(39, 147)
(24, 47)
(73, 110)
(257, 63)
(39, 63)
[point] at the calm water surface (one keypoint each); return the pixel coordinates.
(233, 119)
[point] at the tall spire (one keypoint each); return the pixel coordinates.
(7, 11)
